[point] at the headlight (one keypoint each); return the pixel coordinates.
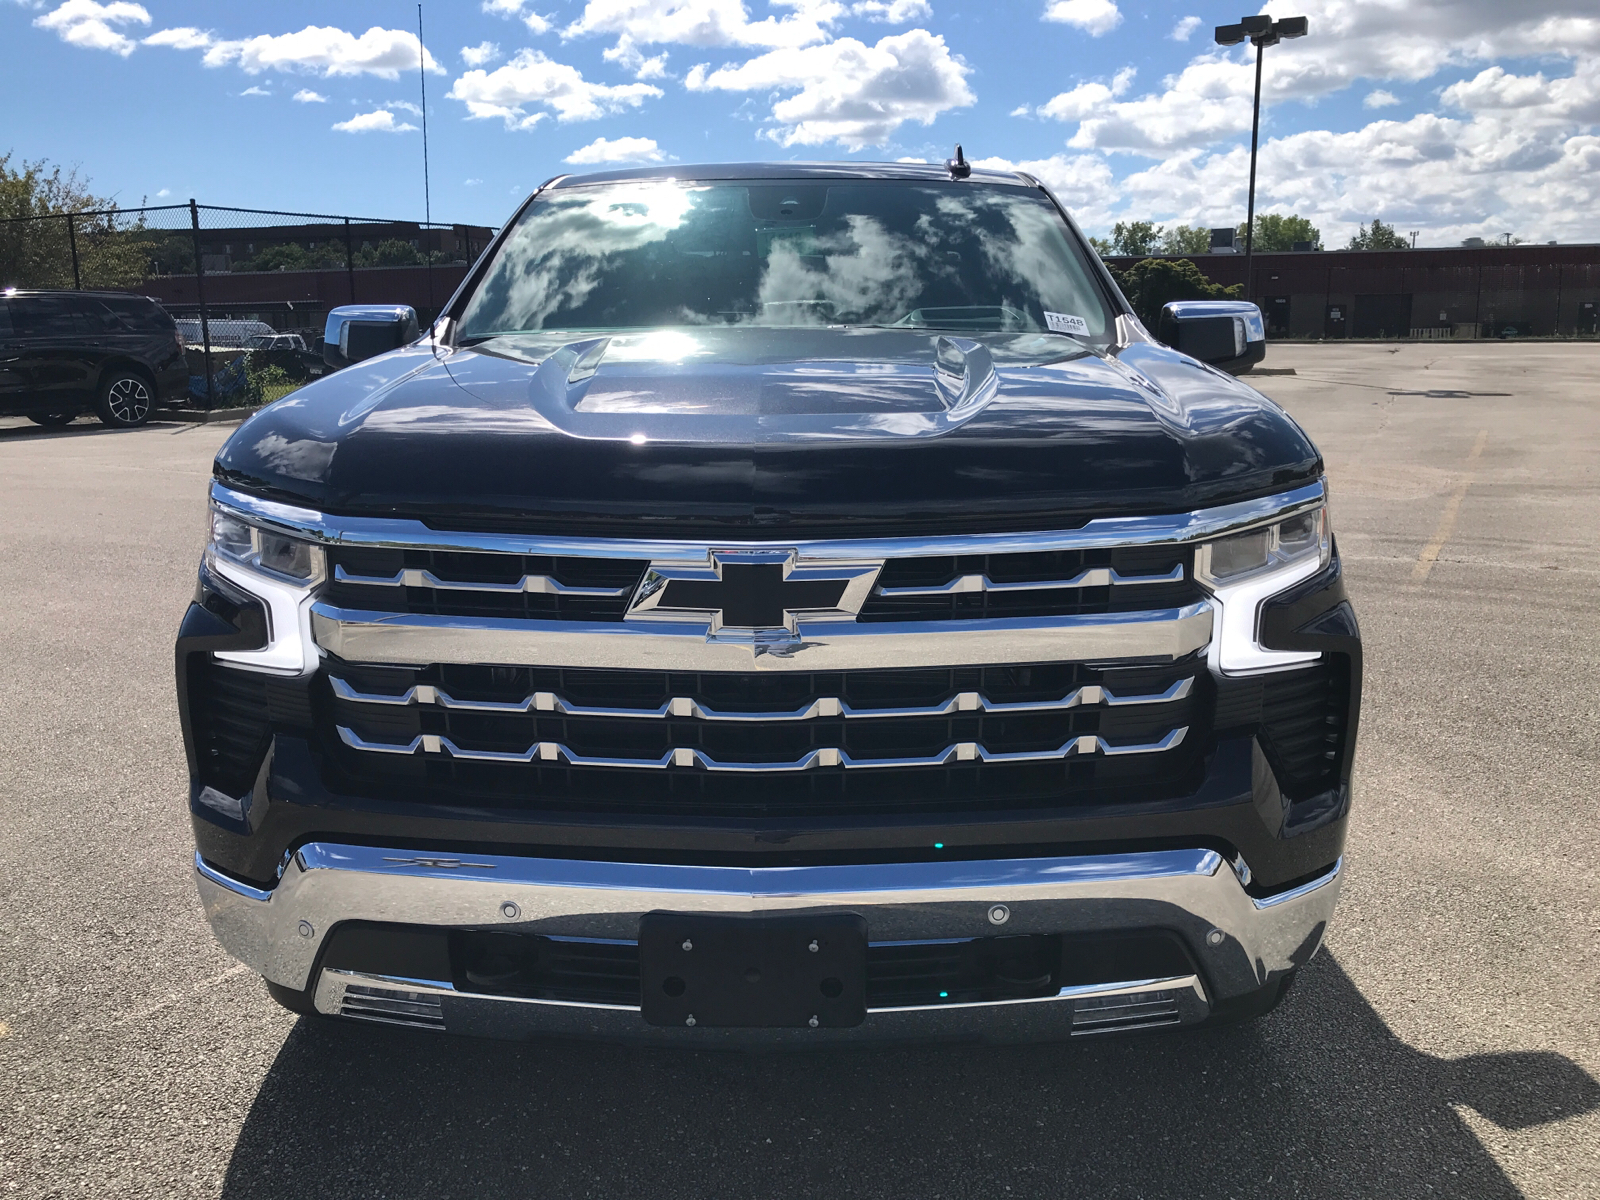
(1285, 545)
(1244, 569)
(264, 549)
(282, 572)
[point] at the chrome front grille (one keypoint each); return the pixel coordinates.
(858, 741)
(966, 674)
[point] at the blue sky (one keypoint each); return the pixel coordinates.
(1451, 117)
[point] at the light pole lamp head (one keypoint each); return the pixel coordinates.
(1261, 30)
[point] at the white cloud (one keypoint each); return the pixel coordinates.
(404, 106)
(1379, 98)
(1088, 98)
(88, 24)
(1209, 100)
(385, 53)
(1182, 31)
(163, 193)
(893, 12)
(849, 92)
(1094, 17)
(471, 182)
(652, 68)
(703, 23)
(1516, 152)
(256, 91)
(381, 121)
(480, 55)
(513, 8)
(625, 149)
(1022, 110)
(183, 38)
(532, 78)
(307, 96)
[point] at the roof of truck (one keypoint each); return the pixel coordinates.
(927, 172)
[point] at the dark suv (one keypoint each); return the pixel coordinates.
(63, 353)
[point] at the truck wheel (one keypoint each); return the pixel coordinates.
(296, 1002)
(1251, 1007)
(52, 420)
(126, 399)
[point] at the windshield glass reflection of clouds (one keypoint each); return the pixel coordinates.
(647, 255)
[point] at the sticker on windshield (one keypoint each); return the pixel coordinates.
(1066, 323)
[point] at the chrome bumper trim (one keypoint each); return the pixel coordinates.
(330, 528)
(684, 706)
(1071, 1012)
(1240, 943)
(688, 756)
(359, 635)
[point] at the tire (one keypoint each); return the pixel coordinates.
(52, 420)
(300, 1003)
(1252, 1007)
(127, 398)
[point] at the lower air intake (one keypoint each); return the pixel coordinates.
(392, 1006)
(1137, 1010)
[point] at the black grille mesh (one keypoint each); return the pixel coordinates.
(1303, 725)
(234, 714)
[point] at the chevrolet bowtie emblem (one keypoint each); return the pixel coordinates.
(753, 590)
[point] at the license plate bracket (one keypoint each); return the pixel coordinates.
(757, 972)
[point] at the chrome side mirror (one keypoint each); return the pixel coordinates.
(358, 331)
(1229, 334)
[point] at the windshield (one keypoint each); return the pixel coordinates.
(961, 257)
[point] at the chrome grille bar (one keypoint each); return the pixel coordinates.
(542, 585)
(687, 756)
(366, 636)
(1091, 578)
(827, 706)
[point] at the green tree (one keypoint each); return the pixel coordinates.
(1276, 232)
(1101, 246)
(1136, 239)
(290, 256)
(1186, 239)
(112, 246)
(392, 253)
(1156, 282)
(1378, 237)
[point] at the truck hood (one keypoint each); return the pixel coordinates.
(802, 431)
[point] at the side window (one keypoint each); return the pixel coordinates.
(42, 316)
(94, 316)
(5, 317)
(140, 314)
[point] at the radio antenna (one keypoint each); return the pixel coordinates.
(427, 192)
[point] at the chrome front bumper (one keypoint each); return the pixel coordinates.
(1240, 943)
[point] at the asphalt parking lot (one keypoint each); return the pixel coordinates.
(1445, 1043)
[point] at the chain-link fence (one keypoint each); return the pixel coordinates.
(250, 288)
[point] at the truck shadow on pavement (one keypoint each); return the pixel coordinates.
(1319, 1099)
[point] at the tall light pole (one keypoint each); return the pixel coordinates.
(1262, 31)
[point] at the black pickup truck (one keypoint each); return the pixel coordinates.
(787, 603)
